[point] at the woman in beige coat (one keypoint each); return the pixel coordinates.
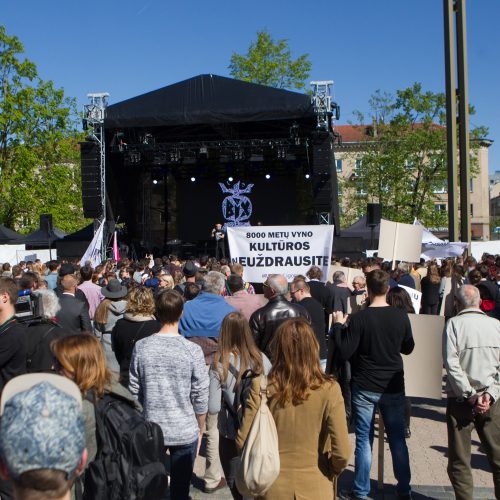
(308, 409)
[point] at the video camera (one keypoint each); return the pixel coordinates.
(28, 306)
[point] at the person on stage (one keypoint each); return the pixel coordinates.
(219, 236)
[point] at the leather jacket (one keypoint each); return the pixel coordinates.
(266, 320)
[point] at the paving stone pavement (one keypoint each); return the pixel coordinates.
(427, 447)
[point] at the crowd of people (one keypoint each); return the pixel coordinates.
(187, 343)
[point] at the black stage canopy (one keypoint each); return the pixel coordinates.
(208, 99)
(9, 236)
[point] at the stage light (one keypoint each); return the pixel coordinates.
(155, 181)
(230, 179)
(268, 176)
(193, 179)
(307, 176)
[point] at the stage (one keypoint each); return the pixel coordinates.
(213, 150)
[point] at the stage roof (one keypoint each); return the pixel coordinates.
(208, 99)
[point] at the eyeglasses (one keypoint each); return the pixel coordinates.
(266, 284)
(292, 292)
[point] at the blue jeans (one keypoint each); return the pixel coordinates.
(392, 409)
(181, 469)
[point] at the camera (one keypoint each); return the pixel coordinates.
(27, 307)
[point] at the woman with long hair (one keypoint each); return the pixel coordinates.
(430, 286)
(82, 359)
(138, 322)
(309, 413)
(400, 298)
(236, 354)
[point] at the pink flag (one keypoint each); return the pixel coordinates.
(116, 253)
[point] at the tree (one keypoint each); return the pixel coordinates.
(39, 170)
(403, 162)
(270, 62)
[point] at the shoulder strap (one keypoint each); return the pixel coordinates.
(138, 331)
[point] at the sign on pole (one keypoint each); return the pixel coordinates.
(399, 241)
(287, 250)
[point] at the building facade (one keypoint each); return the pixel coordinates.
(348, 156)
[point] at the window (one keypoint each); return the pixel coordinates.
(440, 189)
(472, 210)
(360, 187)
(471, 186)
(440, 207)
(338, 164)
(357, 165)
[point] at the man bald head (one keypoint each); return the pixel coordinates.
(468, 297)
(68, 283)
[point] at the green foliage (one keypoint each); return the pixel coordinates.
(403, 165)
(270, 62)
(39, 171)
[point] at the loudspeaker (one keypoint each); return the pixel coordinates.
(373, 214)
(46, 223)
(91, 180)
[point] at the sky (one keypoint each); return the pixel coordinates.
(129, 47)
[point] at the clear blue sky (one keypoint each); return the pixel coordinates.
(129, 47)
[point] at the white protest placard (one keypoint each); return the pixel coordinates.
(415, 296)
(399, 241)
(287, 250)
(31, 255)
(424, 366)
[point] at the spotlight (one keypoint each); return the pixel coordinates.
(155, 181)
(307, 176)
(193, 179)
(230, 179)
(268, 176)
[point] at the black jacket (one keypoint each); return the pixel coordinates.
(74, 314)
(12, 351)
(78, 294)
(39, 336)
(265, 321)
(317, 314)
(124, 336)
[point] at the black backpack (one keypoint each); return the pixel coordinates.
(241, 392)
(129, 461)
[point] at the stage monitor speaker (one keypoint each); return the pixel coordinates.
(374, 214)
(91, 179)
(46, 223)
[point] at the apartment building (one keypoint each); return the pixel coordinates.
(350, 152)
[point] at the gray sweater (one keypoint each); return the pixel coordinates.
(169, 377)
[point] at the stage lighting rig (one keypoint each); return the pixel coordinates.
(322, 102)
(132, 158)
(159, 158)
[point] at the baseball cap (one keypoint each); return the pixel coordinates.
(42, 424)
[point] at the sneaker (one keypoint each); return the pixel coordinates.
(222, 484)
